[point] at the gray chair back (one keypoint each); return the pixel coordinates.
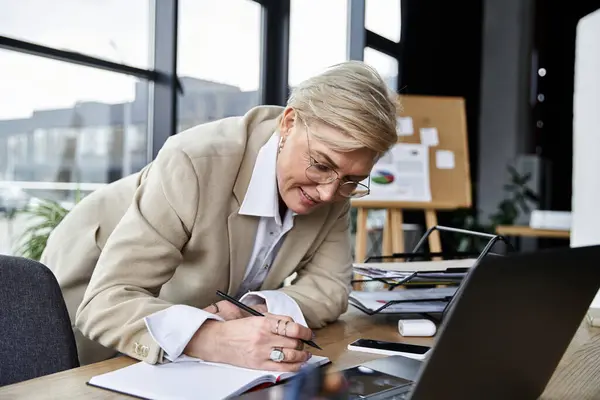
(36, 337)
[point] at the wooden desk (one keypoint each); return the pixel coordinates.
(526, 231)
(574, 377)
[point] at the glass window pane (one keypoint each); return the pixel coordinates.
(386, 66)
(64, 127)
(218, 59)
(115, 30)
(383, 17)
(318, 35)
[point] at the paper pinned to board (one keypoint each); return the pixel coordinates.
(402, 174)
(404, 126)
(429, 136)
(444, 159)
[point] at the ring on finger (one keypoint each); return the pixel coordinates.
(285, 328)
(277, 327)
(277, 355)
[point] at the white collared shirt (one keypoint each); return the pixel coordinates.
(174, 327)
(262, 200)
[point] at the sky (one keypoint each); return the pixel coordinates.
(219, 40)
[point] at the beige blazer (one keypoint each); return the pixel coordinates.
(171, 234)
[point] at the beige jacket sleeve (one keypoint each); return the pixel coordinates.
(140, 256)
(323, 285)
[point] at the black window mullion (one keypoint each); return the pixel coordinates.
(74, 58)
(275, 37)
(162, 121)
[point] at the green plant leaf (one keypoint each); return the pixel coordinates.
(523, 204)
(531, 195)
(42, 219)
(525, 178)
(512, 171)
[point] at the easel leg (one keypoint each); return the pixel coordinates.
(397, 231)
(435, 245)
(388, 229)
(360, 248)
(360, 245)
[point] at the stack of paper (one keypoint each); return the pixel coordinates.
(396, 276)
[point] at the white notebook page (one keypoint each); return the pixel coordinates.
(185, 380)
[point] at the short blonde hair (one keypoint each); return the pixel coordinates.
(352, 98)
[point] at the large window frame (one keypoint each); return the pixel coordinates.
(360, 38)
(162, 79)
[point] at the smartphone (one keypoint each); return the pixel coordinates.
(415, 351)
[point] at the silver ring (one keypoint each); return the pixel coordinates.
(277, 355)
(277, 327)
(285, 328)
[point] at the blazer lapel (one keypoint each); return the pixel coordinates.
(242, 232)
(295, 246)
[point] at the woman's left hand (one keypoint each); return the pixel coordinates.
(229, 311)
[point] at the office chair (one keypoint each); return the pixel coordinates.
(36, 337)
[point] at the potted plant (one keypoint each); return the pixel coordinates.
(519, 200)
(42, 217)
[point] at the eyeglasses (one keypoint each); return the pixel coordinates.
(323, 175)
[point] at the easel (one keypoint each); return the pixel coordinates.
(393, 235)
(450, 187)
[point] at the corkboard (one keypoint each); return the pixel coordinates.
(450, 187)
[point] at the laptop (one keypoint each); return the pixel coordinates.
(506, 328)
(503, 334)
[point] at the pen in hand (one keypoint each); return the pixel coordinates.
(257, 314)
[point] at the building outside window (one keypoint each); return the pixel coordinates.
(68, 129)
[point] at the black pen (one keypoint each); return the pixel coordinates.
(258, 314)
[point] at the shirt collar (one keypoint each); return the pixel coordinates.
(262, 196)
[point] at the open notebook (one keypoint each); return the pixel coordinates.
(188, 380)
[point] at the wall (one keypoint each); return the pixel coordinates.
(505, 82)
(586, 136)
(441, 56)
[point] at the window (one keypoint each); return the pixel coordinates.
(318, 35)
(386, 66)
(114, 30)
(218, 60)
(62, 126)
(383, 18)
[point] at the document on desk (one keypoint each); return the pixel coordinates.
(444, 265)
(188, 380)
(380, 273)
(374, 300)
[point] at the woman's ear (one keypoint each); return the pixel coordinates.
(287, 121)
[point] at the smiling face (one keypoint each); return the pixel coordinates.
(298, 147)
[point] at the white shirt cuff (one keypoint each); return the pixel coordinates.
(174, 327)
(277, 303)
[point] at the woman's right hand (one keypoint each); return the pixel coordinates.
(248, 342)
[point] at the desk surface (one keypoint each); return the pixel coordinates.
(572, 379)
(526, 231)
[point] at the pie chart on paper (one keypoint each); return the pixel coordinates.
(383, 177)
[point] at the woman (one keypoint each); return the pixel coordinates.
(236, 205)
